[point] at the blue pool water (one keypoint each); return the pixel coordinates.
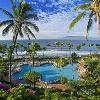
(49, 72)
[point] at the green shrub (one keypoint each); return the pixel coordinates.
(62, 79)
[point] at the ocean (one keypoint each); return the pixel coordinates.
(45, 42)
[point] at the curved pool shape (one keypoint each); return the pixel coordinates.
(49, 72)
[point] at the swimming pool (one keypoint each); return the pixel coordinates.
(49, 72)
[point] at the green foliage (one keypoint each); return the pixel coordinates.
(87, 8)
(77, 19)
(47, 95)
(3, 48)
(35, 47)
(59, 43)
(69, 45)
(2, 69)
(17, 93)
(2, 94)
(56, 96)
(74, 57)
(94, 69)
(62, 79)
(32, 77)
(19, 23)
(82, 6)
(83, 44)
(78, 47)
(91, 44)
(90, 23)
(98, 46)
(61, 62)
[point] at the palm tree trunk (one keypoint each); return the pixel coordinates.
(16, 52)
(33, 60)
(90, 51)
(10, 55)
(69, 56)
(34, 84)
(98, 21)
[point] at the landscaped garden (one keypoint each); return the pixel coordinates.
(35, 72)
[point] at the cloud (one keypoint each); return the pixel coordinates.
(54, 19)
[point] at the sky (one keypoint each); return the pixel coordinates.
(54, 19)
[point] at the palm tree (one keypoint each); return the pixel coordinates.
(18, 23)
(59, 44)
(44, 49)
(3, 49)
(91, 9)
(17, 46)
(69, 46)
(83, 44)
(98, 46)
(60, 62)
(28, 45)
(78, 47)
(32, 51)
(90, 45)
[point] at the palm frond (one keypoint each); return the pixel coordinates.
(76, 20)
(25, 8)
(30, 32)
(82, 6)
(3, 23)
(7, 13)
(7, 29)
(89, 25)
(31, 16)
(20, 4)
(32, 25)
(20, 32)
(25, 32)
(13, 2)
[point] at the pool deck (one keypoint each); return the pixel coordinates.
(42, 84)
(49, 86)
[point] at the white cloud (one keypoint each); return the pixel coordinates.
(57, 27)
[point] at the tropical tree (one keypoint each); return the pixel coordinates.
(60, 62)
(78, 47)
(59, 44)
(90, 45)
(3, 49)
(98, 46)
(20, 93)
(69, 46)
(44, 49)
(28, 45)
(32, 77)
(17, 46)
(32, 50)
(83, 44)
(91, 9)
(48, 44)
(19, 23)
(74, 57)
